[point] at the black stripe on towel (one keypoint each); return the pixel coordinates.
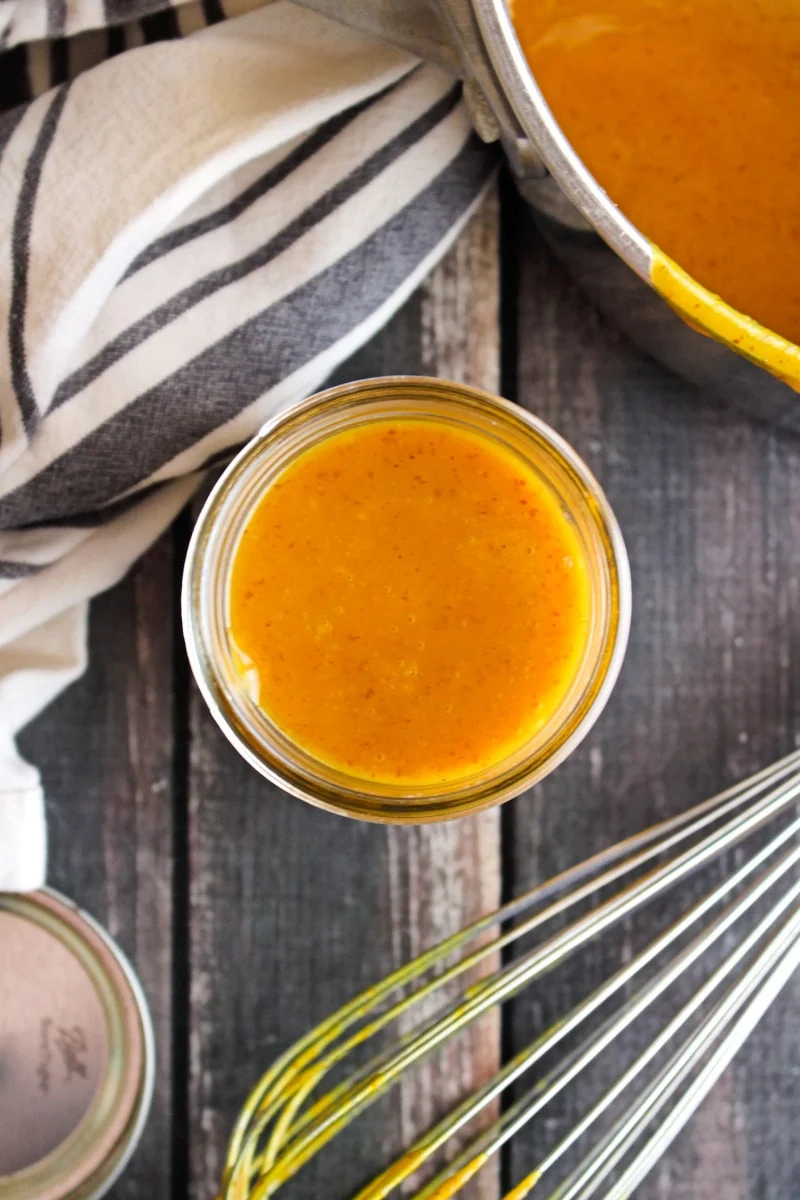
(59, 61)
(20, 253)
(270, 179)
(56, 17)
(19, 570)
(115, 40)
(234, 372)
(161, 26)
(94, 519)
(15, 84)
(190, 296)
(117, 12)
(213, 11)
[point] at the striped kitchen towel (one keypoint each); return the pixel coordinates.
(195, 232)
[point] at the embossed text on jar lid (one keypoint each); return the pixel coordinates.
(76, 1052)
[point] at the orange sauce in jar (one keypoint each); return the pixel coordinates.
(409, 602)
(688, 113)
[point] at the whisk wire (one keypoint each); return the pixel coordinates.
(667, 1081)
(551, 1036)
(547, 1088)
(732, 1042)
(282, 1126)
(419, 1045)
(375, 1080)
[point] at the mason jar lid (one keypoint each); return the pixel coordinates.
(76, 1052)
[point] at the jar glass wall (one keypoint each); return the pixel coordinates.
(206, 596)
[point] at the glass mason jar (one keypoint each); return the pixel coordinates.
(206, 586)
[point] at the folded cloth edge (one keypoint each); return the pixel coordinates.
(22, 825)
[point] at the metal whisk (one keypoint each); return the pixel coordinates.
(742, 931)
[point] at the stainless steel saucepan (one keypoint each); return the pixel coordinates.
(696, 334)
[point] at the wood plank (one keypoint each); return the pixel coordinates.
(294, 910)
(709, 503)
(105, 751)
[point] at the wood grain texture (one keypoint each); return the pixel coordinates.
(105, 751)
(709, 504)
(294, 910)
(289, 911)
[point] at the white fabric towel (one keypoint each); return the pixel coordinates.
(194, 233)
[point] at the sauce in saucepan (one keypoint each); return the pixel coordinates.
(688, 113)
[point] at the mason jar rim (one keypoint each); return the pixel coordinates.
(206, 575)
(93, 1155)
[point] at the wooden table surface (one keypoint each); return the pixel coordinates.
(249, 915)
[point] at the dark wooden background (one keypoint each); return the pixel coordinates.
(249, 915)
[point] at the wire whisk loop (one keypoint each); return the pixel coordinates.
(742, 929)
